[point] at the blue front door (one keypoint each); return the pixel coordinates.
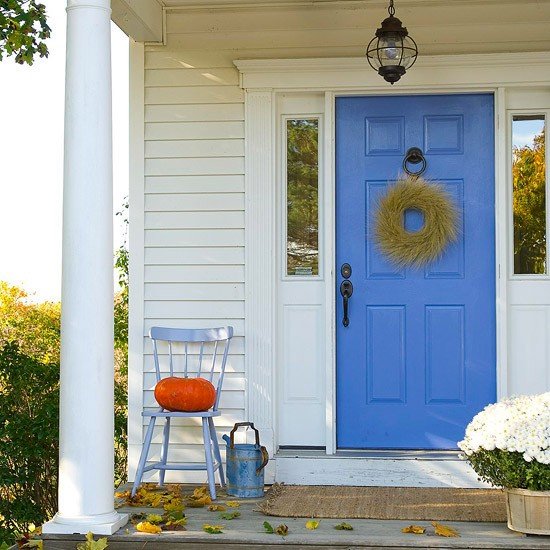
(417, 360)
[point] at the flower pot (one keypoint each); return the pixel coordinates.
(528, 511)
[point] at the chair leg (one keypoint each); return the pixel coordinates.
(216, 447)
(208, 456)
(144, 453)
(164, 450)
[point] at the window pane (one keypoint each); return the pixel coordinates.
(529, 194)
(302, 197)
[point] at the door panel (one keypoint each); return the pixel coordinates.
(417, 360)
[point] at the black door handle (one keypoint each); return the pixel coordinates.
(346, 290)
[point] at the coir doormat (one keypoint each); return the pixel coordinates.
(410, 503)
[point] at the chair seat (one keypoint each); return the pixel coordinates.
(166, 414)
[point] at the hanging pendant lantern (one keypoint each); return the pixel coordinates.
(392, 51)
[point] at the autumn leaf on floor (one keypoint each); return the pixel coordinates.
(233, 504)
(146, 527)
(444, 530)
(175, 505)
(174, 525)
(153, 518)
(312, 525)
(414, 529)
(136, 518)
(268, 528)
(92, 544)
(212, 529)
(343, 527)
(230, 515)
(199, 498)
(281, 530)
(216, 508)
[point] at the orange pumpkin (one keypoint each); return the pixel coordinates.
(185, 394)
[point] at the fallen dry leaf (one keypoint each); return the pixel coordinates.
(414, 529)
(281, 530)
(312, 525)
(343, 527)
(444, 530)
(91, 544)
(230, 515)
(146, 527)
(216, 508)
(233, 504)
(212, 529)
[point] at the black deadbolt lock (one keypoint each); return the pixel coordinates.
(345, 270)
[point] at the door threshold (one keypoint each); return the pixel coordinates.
(388, 454)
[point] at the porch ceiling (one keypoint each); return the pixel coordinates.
(440, 26)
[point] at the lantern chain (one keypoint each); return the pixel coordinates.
(391, 9)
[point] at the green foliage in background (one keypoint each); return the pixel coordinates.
(302, 194)
(23, 30)
(29, 402)
(529, 183)
(29, 410)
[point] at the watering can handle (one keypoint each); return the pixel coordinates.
(265, 460)
(239, 425)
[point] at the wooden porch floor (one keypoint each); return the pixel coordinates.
(247, 532)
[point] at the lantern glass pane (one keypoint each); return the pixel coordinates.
(409, 52)
(390, 49)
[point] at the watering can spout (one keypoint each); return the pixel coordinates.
(226, 439)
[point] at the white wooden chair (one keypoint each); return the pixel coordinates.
(211, 343)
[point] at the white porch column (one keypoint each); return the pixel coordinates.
(86, 402)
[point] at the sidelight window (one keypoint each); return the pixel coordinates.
(529, 194)
(302, 196)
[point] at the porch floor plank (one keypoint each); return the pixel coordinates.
(247, 532)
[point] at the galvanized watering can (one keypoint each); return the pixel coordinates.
(245, 465)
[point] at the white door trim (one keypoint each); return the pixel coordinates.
(261, 79)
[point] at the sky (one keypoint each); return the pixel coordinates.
(31, 159)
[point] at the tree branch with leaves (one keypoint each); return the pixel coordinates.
(23, 30)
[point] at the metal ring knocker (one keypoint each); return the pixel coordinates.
(414, 156)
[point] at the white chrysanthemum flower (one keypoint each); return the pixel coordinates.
(518, 424)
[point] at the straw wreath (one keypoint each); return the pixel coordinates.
(440, 227)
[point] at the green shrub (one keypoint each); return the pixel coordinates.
(509, 469)
(29, 416)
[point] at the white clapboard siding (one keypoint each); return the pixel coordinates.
(194, 237)
(187, 202)
(191, 166)
(194, 113)
(194, 148)
(194, 291)
(197, 310)
(194, 130)
(194, 220)
(195, 184)
(177, 273)
(195, 256)
(192, 77)
(180, 95)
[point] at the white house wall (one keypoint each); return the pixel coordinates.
(193, 173)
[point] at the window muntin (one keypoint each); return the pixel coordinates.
(302, 197)
(529, 194)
